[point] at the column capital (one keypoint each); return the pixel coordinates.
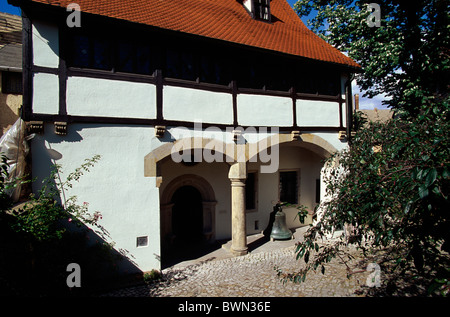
(238, 171)
(237, 182)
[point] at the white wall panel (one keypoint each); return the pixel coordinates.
(317, 113)
(45, 93)
(186, 104)
(257, 110)
(45, 44)
(115, 186)
(111, 98)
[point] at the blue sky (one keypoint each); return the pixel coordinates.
(364, 102)
(6, 7)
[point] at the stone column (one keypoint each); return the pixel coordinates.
(237, 176)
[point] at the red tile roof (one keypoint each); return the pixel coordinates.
(225, 20)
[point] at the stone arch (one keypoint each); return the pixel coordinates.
(201, 184)
(192, 143)
(309, 141)
(208, 205)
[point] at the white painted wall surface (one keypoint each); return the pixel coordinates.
(257, 110)
(307, 164)
(115, 186)
(312, 113)
(129, 202)
(333, 139)
(186, 104)
(110, 98)
(45, 93)
(45, 44)
(248, 5)
(344, 114)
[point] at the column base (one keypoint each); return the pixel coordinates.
(239, 252)
(228, 246)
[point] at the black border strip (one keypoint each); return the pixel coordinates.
(153, 122)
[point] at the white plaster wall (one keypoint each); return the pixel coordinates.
(112, 98)
(257, 110)
(115, 186)
(344, 114)
(344, 79)
(309, 165)
(45, 44)
(186, 104)
(333, 139)
(45, 93)
(296, 158)
(267, 194)
(317, 113)
(129, 202)
(248, 5)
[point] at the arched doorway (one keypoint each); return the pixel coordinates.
(187, 216)
(188, 208)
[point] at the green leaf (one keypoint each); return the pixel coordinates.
(423, 191)
(300, 254)
(431, 177)
(446, 173)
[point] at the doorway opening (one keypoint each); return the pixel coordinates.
(187, 216)
(187, 219)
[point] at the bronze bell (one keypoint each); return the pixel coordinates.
(280, 230)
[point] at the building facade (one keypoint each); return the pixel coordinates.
(10, 69)
(205, 114)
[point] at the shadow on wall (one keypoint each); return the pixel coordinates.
(30, 267)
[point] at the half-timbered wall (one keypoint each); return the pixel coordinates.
(113, 113)
(217, 86)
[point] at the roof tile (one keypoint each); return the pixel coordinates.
(225, 20)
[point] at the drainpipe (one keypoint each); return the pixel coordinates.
(349, 103)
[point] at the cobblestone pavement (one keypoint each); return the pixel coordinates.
(252, 275)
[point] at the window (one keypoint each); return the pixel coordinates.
(289, 187)
(253, 72)
(101, 49)
(180, 64)
(12, 83)
(318, 82)
(95, 52)
(89, 52)
(213, 69)
(125, 57)
(143, 59)
(329, 85)
(133, 58)
(261, 9)
(250, 191)
(81, 51)
(278, 76)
